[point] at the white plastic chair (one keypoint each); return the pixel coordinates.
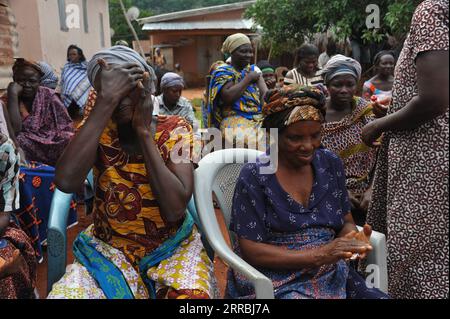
(217, 173)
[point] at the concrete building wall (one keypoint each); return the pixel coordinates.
(40, 34)
(8, 43)
(200, 48)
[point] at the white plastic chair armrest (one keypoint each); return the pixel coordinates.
(378, 258)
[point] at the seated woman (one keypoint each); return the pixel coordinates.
(17, 259)
(346, 115)
(235, 92)
(295, 225)
(40, 122)
(381, 84)
(142, 243)
(170, 100)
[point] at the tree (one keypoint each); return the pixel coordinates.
(119, 24)
(286, 23)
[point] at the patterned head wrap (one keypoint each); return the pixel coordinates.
(120, 54)
(171, 79)
(22, 63)
(291, 104)
(265, 66)
(233, 42)
(340, 64)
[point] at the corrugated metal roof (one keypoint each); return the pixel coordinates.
(196, 12)
(238, 24)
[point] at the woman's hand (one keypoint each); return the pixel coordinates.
(343, 248)
(14, 89)
(252, 77)
(12, 265)
(362, 236)
(143, 113)
(370, 133)
(117, 81)
(380, 108)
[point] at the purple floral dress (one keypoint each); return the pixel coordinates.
(46, 130)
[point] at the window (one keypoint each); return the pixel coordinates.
(102, 32)
(85, 17)
(62, 15)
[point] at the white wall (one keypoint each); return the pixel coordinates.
(40, 34)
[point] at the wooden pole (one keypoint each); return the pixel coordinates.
(132, 29)
(270, 51)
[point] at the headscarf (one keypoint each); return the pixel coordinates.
(291, 104)
(22, 63)
(49, 79)
(265, 66)
(120, 54)
(171, 79)
(233, 42)
(340, 64)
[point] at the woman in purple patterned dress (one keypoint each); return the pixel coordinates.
(37, 117)
(410, 200)
(295, 226)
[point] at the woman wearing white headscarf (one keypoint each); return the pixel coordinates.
(346, 115)
(143, 243)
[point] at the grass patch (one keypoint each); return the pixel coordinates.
(197, 105)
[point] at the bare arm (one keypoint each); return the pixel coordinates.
(232, 92)
(262, 88)
(172, 183)
(14, 91)
(349, 226)
(79, 156)
(274, 257)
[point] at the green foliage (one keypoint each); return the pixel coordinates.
(286, 23)
(119, 24)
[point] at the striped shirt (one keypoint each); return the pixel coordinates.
(303, 80)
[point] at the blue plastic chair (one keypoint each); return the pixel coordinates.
(57, 233)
